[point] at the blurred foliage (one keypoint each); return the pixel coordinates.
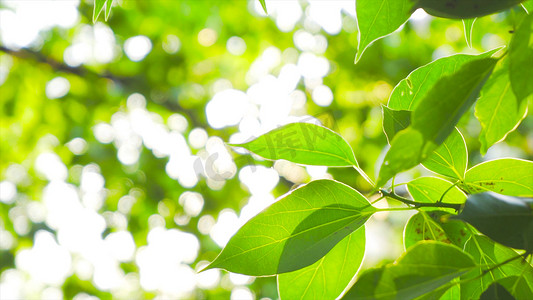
(184, 82)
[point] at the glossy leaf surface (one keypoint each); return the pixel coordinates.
(296, 231)
(328, 277)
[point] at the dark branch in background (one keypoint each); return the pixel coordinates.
(133, 84)
(415, 204)
(58, 66)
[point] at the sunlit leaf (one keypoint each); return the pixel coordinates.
(451, 158)
(410, 91)
(422, 227)
(445, 103)
(109, 4)
(296, 231)
(498, 110)
(98, 8)
(423, 268)
(488, 253)
(431, 189)
(263, 4)
(521, 59)
(379, 18)
(303, 143)
(435, 117)
(528, 6)
(506, 220)
(328, 277)
(394, 121)
(519, 286)
(506, 176)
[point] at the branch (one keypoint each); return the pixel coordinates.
(421, 204)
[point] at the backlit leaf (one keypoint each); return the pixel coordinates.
(423, 268)
(379, 18)
(263, 4)
(498, 110)
(496, 291)
(328, 277)
(468, 25)
(303, 143)
(410, 91)
(296, 231)
(98, 7)
(506, 176)
(431, 189)
(451, 158)
(422, 227)
(488, 253)
(521, 59)
(394, 121)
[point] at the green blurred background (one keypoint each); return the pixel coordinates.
(115, 181)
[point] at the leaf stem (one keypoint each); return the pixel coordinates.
(420, 204)
(395, 209)
(364, 175)
(447, 190)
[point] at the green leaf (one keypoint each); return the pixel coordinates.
(405, 152)
(435, 117)
(468, 25)
(431, 189)
(496, 291)
(518, 286)
(423, 268)
(394, 121)
(263, 4)
(465, 9)
(498, 110)
(441, 108)
(457, 231)
(328, 277)
(506, 220)
(410, 91)
(521, 59)
(528, 6)
(98, 7)
(379, 18)
(451, 158)
(506, 176)
(488, 253)
(109, 4)
(296, 231)
(422, 227)
(303, 143)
